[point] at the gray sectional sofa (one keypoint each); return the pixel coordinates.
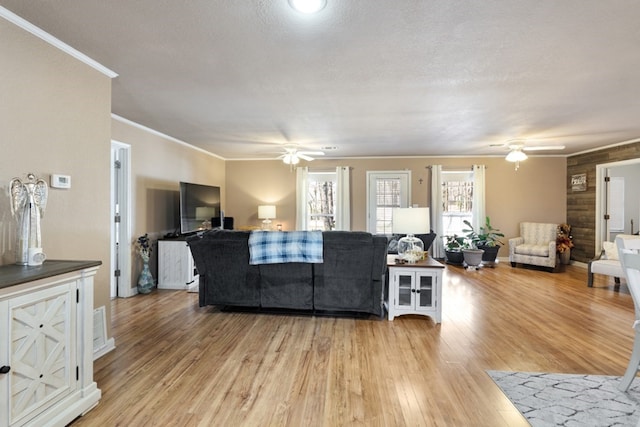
(350, 278)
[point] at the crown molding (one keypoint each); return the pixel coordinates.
(38, 32)
(163, 135)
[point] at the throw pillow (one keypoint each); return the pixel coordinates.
(610, 250)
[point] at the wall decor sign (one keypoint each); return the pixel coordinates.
(579, 182)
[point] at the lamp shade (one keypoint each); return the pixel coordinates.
(410, 221)
(266, 211)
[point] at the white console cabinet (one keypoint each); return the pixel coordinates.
(46, 343)
(176, 269)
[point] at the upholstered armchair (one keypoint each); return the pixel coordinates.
(536, 245)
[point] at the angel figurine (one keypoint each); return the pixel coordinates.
(28, 201)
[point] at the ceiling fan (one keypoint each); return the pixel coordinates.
(517, 150)
(292, 155)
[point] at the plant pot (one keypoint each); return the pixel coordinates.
(454, 257)
(490, 255)
(473, 257)
(565, 257)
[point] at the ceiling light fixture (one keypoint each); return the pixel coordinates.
(308, 6)
(291, 159)
(516, 155)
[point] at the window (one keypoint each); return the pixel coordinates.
(385, 191)
(457, 201)
(321, 201)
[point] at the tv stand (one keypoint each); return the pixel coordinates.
(176, 269)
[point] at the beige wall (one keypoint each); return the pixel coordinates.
(55, 118)
(536, 192)
(158, 164)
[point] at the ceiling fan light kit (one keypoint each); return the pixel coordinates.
(291, 159)
(516, 155)
(292, 156)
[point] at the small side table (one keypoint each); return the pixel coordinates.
(415, 288)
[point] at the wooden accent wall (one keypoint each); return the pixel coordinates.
(581, 205)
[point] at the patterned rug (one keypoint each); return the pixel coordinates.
(570, 400)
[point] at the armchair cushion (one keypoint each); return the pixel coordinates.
(610, 251)
(535, 250)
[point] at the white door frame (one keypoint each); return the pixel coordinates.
(121, 253)
(602, 170)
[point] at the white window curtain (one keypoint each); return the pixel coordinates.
(343, 202)
(478, 204)
(437, 248)
(301, 197)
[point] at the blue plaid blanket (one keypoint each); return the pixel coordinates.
(273, 247)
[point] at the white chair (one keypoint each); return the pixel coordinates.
(607, 263)
(536, 245)
(629, 254)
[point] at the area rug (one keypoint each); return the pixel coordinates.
(570, 400)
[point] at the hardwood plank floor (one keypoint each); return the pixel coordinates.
(176, 364)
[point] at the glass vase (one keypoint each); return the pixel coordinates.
(145, 280)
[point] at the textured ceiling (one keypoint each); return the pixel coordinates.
(369, 77)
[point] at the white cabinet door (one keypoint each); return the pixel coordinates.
(41, 329)
(404, 286)
(425, 291)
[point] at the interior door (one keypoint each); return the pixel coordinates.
(385, 191)
(120, 220)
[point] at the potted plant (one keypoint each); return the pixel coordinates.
(486, 238)
(564, 243)
(453, 246)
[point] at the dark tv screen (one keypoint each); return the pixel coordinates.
(198, 204)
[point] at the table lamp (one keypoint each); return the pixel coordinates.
(266, 213)
(410, 221)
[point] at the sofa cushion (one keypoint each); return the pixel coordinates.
(610, 251)
(534, 250)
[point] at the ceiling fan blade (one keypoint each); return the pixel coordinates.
(544, 148)
(304, 156)
(312, 153)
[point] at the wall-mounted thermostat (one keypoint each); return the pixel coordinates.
(60, 181)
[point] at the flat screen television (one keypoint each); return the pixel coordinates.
(198, 204)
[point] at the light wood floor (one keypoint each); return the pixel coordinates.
(176, 364)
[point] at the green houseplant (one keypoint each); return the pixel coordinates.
(453, 246)
(486, 238)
